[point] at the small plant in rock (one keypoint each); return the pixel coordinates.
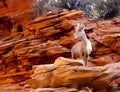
(43, 6)
(106, 9)
(84, 5)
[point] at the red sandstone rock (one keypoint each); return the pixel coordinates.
(1, 61)
(15, 6)
(45, 38)
(116, 20)
(69, 73)
(104, 60)
(67, 41)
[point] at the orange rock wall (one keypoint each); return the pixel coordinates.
(45, 38)
(14, 6)
(16, 13)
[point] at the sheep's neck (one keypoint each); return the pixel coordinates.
(84, 37)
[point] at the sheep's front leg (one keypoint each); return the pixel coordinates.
(83, 57)
(86, 61)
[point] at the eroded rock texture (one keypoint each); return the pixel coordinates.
(40, 41)
(106, 42)
(69, 73)
(12, 6)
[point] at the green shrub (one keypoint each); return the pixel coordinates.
(43, 6)
(105, 9)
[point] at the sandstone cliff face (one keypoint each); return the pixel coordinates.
(13, 6)
(45, 38)
(14, 14)
(107, 36)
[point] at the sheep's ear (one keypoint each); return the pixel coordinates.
(78, 25)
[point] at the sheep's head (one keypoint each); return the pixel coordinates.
(80, 26)
(79, 30)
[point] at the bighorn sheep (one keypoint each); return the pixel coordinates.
(81, 50)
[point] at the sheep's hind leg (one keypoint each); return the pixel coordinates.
(72, 55)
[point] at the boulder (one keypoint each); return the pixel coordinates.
(71, 73)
